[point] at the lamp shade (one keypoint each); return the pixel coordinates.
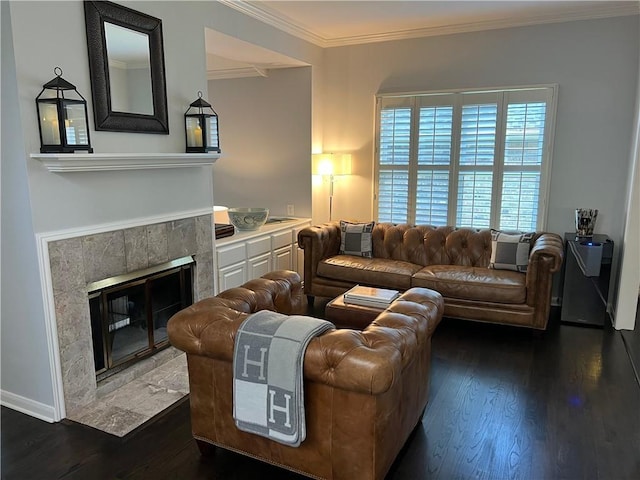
(331, 164)
(221, 214)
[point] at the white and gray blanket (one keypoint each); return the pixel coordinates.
(268, 397)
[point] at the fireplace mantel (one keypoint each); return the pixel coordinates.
(96, 162)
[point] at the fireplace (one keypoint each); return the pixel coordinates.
(79, 261)
(129, 313)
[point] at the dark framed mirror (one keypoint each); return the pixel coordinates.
(126, 64)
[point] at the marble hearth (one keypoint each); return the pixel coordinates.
(75, 262)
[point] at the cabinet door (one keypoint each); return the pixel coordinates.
(299, 267)
(231, 254)
(283, 259)
(258, 246)
(232, 276)
(259, 266)
(281, 239)
(298, 253)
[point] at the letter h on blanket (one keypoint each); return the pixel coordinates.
(268, 397)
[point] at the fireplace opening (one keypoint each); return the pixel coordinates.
(129, 313)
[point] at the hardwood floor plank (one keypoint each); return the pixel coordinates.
(505, 403)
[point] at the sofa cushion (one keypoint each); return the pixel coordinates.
(473, 283)
(380, 272)
(355, 238)
(510, 251)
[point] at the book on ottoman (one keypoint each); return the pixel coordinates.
(370, 296)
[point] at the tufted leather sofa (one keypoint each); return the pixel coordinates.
(365, 391)
(452, 261)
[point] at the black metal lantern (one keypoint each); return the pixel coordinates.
(201, 127)
(63, 122)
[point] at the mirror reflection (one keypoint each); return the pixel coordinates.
(129, 70)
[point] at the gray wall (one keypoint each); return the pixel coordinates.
(24, 354)
(37, 201)
(265, 131)
(594, 62)
(68, 201)
(61, 201)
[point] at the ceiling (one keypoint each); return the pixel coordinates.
(331, 23)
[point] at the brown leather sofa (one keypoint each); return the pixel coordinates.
(365, 391)
(451, 261)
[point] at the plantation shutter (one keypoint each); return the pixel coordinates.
(525, 151)
(477, 159)
(393, 165)
(469, 159)
(434, 160)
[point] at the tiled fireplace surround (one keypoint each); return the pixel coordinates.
(77, 261)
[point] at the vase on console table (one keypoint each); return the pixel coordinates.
(585, 221)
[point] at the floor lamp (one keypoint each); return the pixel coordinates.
(331, 166)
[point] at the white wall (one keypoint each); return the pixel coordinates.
(265, 131)
(629, 281)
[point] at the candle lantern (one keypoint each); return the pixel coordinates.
(201, 127)
(63, 122)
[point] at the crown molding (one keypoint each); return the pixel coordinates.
(287, 25)
(241, 72)
(605, 11)
(276, 20)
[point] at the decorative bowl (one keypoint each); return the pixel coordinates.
(248, 218)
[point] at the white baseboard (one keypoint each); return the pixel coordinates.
(27, 406)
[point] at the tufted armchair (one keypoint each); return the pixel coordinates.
(451, 261)
(365, 391)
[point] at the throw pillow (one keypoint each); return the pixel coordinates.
(355, 239)
(510, 251)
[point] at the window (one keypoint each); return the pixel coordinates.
(470, 159)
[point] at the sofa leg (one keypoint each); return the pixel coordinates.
(310, 300)
(206, 449)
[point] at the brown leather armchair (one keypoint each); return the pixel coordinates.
(365, 391)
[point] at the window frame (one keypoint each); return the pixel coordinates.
(505, 96)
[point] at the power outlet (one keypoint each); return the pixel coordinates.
(290, 210)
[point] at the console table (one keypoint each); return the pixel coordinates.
(586, 279)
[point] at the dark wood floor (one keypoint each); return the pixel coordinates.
(505, 403)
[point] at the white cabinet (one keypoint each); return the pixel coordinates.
(232, 265)
(282, 244)
(259, 265)
(232, 276)
(248, 255)
(283, 259)
(297, 252)
(258, 256)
